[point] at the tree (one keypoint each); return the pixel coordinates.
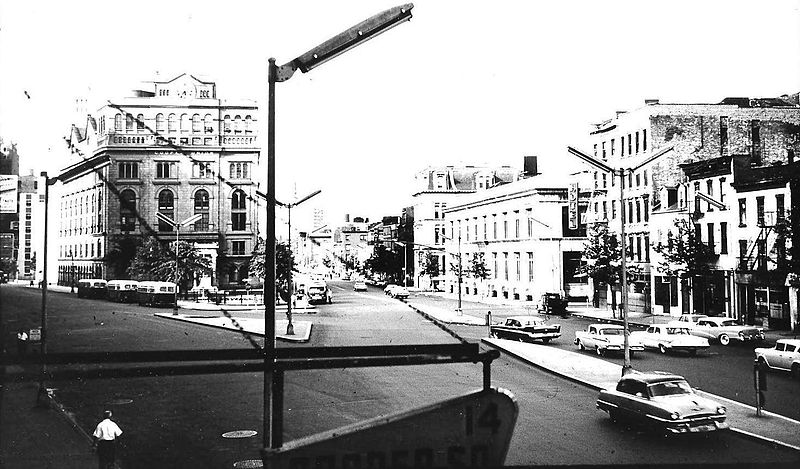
(684, 255)
(603, 260)
(155, 260)
(387, 262)
(284, 263)
(121, 254)
(478, 268)
(430, 265)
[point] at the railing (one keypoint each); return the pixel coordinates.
(180, 139)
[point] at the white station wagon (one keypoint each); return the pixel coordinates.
(785, 355)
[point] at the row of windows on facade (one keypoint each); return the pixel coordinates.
(169, 170)
(81, 250)
(634, 180)
(635, 144)
(183, 123)
(638, 210)
(166, 205)
(201, 93)
(470, 231)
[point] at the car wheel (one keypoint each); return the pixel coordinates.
(724, 339)
(662, 348)
(544, 341)
(580, 345)
(599, 351)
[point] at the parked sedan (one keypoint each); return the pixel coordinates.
(399, 292)
(359, 286)
(785, 355)
(388, 289)
(670, 338)
(526, 329)
(725, 330)
(664, 401)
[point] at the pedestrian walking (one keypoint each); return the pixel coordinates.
(105, 441)
(22, 342)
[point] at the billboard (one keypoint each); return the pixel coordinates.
(572, 200)
(8, 193)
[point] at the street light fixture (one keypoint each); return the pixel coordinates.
(358, 34)
(177, 226)
(626, 364)
(290, 326)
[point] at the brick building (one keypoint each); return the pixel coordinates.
(173, 148)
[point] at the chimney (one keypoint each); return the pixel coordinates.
(347, 218)
(530, 167)
(651, 101)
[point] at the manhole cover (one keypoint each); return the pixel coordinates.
(120, 401)
(249, 463)
(240, 434)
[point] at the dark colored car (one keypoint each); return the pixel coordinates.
(663, 401)
(526, 329)
(553, 303)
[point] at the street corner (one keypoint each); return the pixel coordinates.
(301, 331)
(255, 326)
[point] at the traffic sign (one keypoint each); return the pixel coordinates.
(470, 430)
(35, 334)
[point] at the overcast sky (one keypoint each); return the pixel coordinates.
(463, 82)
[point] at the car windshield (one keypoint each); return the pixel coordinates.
(611, 332)
(729, 322)
(677, 330)
(669, 388)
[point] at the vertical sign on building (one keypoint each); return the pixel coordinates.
(572, 199)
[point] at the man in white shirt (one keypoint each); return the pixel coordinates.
(105, 440)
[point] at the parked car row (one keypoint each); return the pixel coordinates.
(128, 291)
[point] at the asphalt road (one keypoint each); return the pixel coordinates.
(179, 421)
(726, 371)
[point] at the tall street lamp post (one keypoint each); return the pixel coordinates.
(626, 364)
(72, 271)
(373, 26)
(290, 326)
(177, 226)
(405, 262)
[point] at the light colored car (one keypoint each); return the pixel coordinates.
(359, 285)
(666, 337)
(785, 355)
(725, 330)
(689, 320)
(399, 292)
(663, 401)
(604, 338)
(388, 289)
(525, 329)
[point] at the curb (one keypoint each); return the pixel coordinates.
(283, 337)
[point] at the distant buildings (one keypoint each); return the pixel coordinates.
(9, 210)
(174, 148)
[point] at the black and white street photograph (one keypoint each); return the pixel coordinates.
(374, 234)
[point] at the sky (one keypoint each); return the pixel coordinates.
(464, 82)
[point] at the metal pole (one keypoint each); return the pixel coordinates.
(405, 265)
(72, 271)
(177, 272)
(626, 364)
(290, 326)
(270, 440)
(459, 269)
(43, 339)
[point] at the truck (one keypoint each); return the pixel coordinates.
(314, 288)
(603, 338)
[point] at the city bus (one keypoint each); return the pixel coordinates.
(92, 288)
(123, 291)
(156, 294)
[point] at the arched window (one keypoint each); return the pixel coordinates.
(166, 206)
(118, 122)
(127, 210)
(184, 122)
(129, 122)
(140, 123)
(160, 122)
(201, 207)
(172, 123)
(237, 124)
(238, 211)
(248, 124)
(209, 124)
(196, 124)
(227, 124)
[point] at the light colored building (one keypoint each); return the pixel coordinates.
(438, 188)
(351, 245)
(522, 231)
(173, 148)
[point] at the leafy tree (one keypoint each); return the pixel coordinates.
(603, 260)
(430, 265)
(155, 260)
(327, 262)
(284, 263)
(478, 268)
(684, 255)
(9, 267)
(121, 254)
(387, 262)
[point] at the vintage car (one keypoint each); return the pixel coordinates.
(666, 337)
(785, 355)
(359, 285)
(552, 303)
(526, 329)
(388, 289)
(604, 338)
(724, 330)
(399, 292)
(664, 401)
(688, 320)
